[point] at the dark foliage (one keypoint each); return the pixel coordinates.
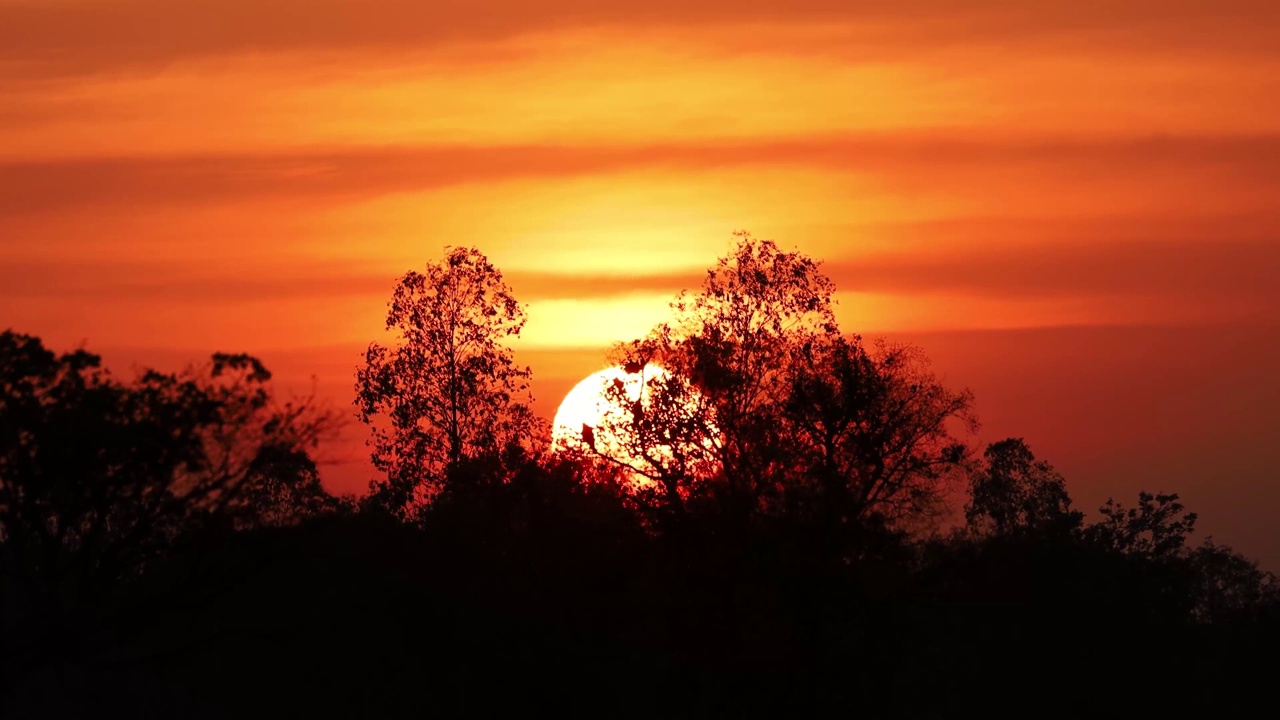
(101, 479)
(769, 412)
(441, 402)
(168, 552)
(1014, 494)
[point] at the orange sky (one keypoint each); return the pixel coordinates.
(1075, 210)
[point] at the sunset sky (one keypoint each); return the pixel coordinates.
(1073, 207)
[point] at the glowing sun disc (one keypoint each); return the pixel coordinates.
(587, 407)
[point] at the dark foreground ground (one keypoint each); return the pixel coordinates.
(356, 617)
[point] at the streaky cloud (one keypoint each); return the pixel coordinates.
(66, 38)
(354, 173)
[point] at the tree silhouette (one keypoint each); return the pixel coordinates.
(99, 478)
(1156, 528)
(731, 343)
(1013, 494)
(1207, 583)
(871, 430)
(1231, 588)
(661, 443)
(797, 417)
(449, 395)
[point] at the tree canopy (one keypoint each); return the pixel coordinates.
(100, 477)
(798, 416)
(449, 393)
(1013, 493)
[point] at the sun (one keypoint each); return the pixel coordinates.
(591, 422)
(588, 420)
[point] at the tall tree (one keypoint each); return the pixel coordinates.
(448, 396)
(731, 342)
(783, 398)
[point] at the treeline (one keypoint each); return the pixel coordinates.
(786, 520)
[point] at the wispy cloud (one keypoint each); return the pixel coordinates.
(54, 38)
(1215, 271)
(908, 159)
